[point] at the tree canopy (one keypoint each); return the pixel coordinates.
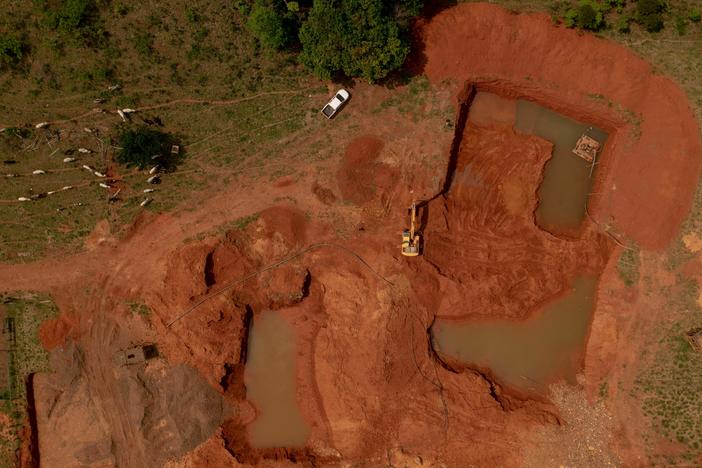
(365, 38)
(272, 26)
(139, 146)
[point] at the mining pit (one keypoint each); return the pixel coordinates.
(286, 342)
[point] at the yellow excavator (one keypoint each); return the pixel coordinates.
(411, 239)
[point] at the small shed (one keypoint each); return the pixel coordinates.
(586, 148)
(135, 355)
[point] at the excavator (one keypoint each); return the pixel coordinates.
(411, 239)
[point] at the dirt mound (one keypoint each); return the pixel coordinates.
(53, 332)
(281, 229)
(362, 177)
(482, 236)
(324, 194)
(651, 163)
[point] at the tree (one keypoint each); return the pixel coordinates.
(649, 13)
(357, 37)
(270, 26)
(322, 39)
(140, 145)
(588, 15)
(589, 18)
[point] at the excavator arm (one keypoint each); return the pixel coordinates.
(410, 237)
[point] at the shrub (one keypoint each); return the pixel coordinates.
(140, 145)
(571, 18)
(618, 4)
(74, 18)
(11, 49)
(624, 24)
(649, 13)
(192, 15)
(143, 42)
(695, 15)
(681, 25)
(588, 15)
(67, 15)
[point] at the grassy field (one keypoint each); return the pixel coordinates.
(26, 356)
(257, 102)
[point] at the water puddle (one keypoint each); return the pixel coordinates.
(567, 180)
(270, 384)
(529, 354)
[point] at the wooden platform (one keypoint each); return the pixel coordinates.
(586, 148)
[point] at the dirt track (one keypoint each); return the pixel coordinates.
(369, 385)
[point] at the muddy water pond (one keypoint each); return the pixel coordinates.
(567, 180)
(529, 354)
(270, 384)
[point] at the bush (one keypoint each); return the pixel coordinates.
(270, 26)
(695, 15)
(588, 15)
(77, 20)
(11, 50)
(681, 25)
(67, 15)
(140, 145)
(649, 13)
(143, 42)
(624, 24)
(363, 38)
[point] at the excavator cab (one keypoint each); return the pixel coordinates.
(411, 239)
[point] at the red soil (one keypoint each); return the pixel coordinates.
(53, 333)
(361, 176)
(482, 234)
(652, 161)
(369, 385)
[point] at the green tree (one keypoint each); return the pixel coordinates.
(270, 26)
(588, 15)
(649, 13)
(322, 39)
(362, 38)
(143, 147)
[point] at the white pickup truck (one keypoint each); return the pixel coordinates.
(335, 103)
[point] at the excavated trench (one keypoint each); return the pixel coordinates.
(519, 318)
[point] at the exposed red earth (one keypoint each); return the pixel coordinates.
(369, 385)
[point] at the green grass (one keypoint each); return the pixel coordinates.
(157, 53)
(27, 356)
(671, 392)
(417, 100)
(139, 308)
(628, 265)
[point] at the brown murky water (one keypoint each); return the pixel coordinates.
(529, 354)
(270, 384)
(567, 181)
